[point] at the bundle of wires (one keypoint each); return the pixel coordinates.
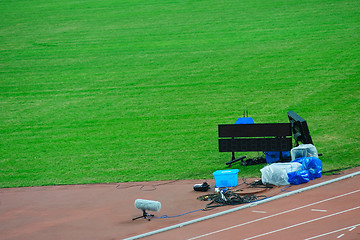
(224, 198)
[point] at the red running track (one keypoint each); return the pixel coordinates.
(328, 212)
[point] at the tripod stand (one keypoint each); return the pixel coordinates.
(145, 216)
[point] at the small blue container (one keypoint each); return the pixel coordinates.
(244, 120)
(272, 157)
(226, 178)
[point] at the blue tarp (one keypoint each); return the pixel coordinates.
(311, 169)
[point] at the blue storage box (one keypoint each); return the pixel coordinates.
(244, 120)
(226, 178)
(272, 157)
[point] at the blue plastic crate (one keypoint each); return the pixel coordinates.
(272, 157)
(226, 178)
(244, 120)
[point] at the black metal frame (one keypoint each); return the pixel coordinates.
(255, 137)
(300, 129)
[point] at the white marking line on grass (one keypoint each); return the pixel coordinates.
(302, 223)
(318, 210)
(274, 215)
(339, 230)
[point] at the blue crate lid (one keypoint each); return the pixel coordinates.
(244, 120)
(226, 172)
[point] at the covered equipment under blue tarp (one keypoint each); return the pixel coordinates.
(298, 171)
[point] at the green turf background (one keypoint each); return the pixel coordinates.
(133, 90)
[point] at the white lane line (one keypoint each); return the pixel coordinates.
(302, 223)
(339, 230)
(259, 211)
(318, 210)
(340, 235)
(274, 215)
(353, 227)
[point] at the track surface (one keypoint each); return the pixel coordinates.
(105, 211)
(328, 212)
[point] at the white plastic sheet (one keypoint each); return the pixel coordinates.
(303, 150)
(277, 173)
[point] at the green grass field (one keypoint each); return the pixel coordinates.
(133, 90)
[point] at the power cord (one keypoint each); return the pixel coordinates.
(167, 216)
(142, 186)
